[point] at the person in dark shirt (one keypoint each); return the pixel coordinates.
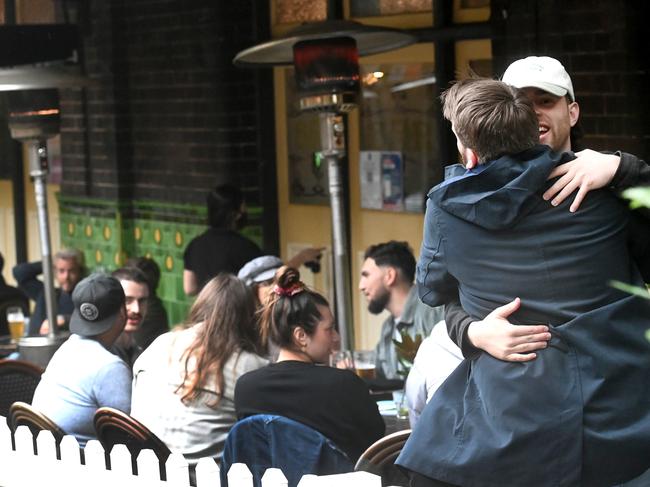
(220, 248)
(9, 296)
(68, 271)
(333, 401)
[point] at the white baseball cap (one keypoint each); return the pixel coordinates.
(543, 72)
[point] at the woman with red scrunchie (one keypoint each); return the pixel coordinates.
(333, 401)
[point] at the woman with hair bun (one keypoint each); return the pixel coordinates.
(333, 401)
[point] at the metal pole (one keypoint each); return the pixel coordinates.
(37, 154)
(333, 141)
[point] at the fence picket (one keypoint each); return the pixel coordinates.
(239, 476)
(177, 472)
(25, 467)
(121, 460)
(95, 456)
(351, 479)
(24, 441)
(46, 445)
(207, 473)
(273, 477)
(70, 452)
(148, 466)
(308, 480)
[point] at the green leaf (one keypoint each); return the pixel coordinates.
(628, 288)
(639, 197)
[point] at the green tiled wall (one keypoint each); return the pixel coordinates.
(108, 233)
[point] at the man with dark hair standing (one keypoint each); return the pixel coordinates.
(220, 248)
(577, 414)
(549, 88)
(387, 283)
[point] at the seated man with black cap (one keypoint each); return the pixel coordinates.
(83, 375)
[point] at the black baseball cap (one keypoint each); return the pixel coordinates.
(98, 300)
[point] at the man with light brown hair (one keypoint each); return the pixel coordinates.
(491, 238)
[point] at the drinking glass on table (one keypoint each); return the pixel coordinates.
(364, 363)
(341, 359)
(16, 322)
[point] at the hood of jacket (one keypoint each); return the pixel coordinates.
(497, 194)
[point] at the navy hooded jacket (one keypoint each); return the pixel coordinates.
(579, 414)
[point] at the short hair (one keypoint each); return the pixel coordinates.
(223, 203)
(393, 254)
(131, 274)
(71, 254)
(149, 267)
(491, 117)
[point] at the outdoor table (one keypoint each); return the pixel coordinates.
(7, 347)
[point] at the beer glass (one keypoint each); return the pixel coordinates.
(364, 363)
(16, 322)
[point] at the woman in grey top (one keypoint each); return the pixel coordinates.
(184, 382)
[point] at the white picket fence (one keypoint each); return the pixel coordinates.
(22, 468)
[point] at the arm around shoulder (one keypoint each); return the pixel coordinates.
(632, 171)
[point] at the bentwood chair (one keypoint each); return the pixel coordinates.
(114, 427)
(18, 381)
(21, 413)
(380, 458)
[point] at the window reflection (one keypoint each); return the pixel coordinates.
(308, 180)
(397, 121)
(372, 8)
(292, 11)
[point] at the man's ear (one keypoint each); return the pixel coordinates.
(574, 113)
(390, 276)
(470, 158)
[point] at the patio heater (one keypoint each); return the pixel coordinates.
(38, 60)
(325, 57)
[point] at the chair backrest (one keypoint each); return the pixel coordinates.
(263, 441)
(22, 413)
(379, 458)
(114, 427)
(18, 381)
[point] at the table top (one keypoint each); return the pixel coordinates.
(6, 346)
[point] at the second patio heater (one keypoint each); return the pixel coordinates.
(325, 56)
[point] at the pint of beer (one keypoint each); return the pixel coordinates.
(16, 322)
(364, 363)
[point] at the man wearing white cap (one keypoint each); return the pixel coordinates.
(549, 87)
(83, 375)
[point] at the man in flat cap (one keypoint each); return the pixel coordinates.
(83, 375)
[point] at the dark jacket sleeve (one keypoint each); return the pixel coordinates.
(632, 171)
(458, 321)
(26, 276)
(435, 285)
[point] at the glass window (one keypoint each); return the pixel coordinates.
(373, 8)
(308, 182)
(398, 128)
(297, 11)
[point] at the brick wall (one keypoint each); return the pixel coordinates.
(604, 47)
(171, 115)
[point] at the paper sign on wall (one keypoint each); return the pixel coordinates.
(382, 180)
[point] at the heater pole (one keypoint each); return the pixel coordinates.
(332, 130)
(37, 154)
